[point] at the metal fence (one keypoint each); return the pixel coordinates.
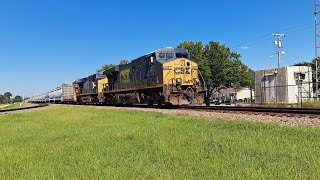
(284, 94)
(288, 86)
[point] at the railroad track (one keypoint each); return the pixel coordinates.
(254, 110)
(266, 110)
(24, 108)
(296, 111)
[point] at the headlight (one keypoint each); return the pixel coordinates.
(178, 80)
(196, 81)
(167, 68)
(194, 67)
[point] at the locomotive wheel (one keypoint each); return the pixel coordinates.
(150, 103)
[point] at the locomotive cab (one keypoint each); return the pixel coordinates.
(181, 85)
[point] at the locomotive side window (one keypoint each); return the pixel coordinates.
(182, 55)
(162, 55)
(169, 55)
(165, 55)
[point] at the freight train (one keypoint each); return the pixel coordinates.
(164, 76)
(62, 94)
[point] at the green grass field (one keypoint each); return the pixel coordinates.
(89, 143)
(16, 106)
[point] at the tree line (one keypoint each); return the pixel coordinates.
(109, 66)
(6, 98)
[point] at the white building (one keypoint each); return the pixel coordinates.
(238, 94)
(287, 85)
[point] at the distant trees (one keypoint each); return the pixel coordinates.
(7, 95)
(109, 66)
(123, 62)
(1, 99)
(17, 99)
(6, 98)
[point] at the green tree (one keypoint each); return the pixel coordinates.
(219, 67)
(106, 67)
(1, 99)
(7, 95)
(17, 99)
(124, 61)
(6, 100)
(109, 66)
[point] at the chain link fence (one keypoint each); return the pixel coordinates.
(283, 87)
(284, 94)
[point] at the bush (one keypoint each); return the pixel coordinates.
(311, 104)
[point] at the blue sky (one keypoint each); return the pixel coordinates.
(44, 43)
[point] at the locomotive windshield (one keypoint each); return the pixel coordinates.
(182, 55)
(165, 56)
(168, 54)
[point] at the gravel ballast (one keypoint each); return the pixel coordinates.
(246, 116)
(307, 121)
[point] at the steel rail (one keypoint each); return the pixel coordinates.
(255, 109)
(296, 111)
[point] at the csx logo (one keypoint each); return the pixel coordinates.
(125, 76)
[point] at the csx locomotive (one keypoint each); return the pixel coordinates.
(165, 76)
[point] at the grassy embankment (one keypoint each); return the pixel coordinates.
(16, 106)
(87, 143)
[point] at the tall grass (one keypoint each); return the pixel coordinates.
(311, 104)
(90, 143)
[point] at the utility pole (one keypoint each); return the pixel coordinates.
(278, 42)
(316, 43)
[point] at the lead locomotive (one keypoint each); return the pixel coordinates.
(165, 76)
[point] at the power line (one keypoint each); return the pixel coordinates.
(251, 41)
(278, 42)
(310, 27)
(295, 27)
(286, 30)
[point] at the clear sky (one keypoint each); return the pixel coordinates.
(44, 43)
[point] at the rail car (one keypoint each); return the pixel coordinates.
(62, 94)
(86, 90)
(165, 76)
